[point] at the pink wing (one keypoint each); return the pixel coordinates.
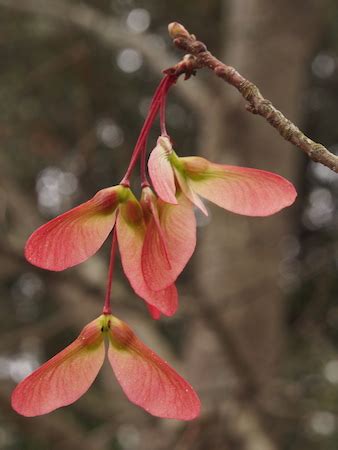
(130, 229)
(63, 379)
(161, 172)
(147, 380)
(246, 191)
(174, 228)
(75, 235)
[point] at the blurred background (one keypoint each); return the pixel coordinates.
(257, 329)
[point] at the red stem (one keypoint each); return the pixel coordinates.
(144, 178)
(162, 89)
(162, 116)
(107, 303)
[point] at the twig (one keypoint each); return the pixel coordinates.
(200, 57)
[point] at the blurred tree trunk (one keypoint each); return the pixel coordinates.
(269, 43)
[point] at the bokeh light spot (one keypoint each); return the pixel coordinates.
(129, 60)
(138, 20)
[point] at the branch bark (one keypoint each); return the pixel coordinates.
(257, 104)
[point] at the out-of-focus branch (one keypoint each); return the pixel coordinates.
(200, 57)
(248, 394)
(111, 32)
(64, 429)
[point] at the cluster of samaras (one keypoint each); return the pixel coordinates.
(156, 237)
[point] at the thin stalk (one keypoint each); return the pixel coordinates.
(144, 178)
(161, 91)
(162, 116)
(107, 302)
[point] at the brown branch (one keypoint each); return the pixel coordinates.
(109, 31)
(200, 57)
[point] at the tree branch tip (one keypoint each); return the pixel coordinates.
(176, 30)
(257, 104)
